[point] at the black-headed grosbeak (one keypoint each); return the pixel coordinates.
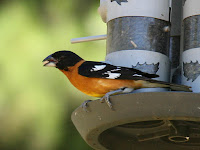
(99, 79)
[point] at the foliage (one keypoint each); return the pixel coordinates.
(36, 102)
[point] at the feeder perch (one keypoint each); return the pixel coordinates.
(140, 34)
(88, 39)
(150, 120)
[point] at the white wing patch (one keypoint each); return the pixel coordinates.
(115, 70)
(98, 67)
(112, 75)
(137, 75)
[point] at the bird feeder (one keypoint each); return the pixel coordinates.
(139, 36)
(191, 45)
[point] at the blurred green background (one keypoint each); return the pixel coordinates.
(36, 102)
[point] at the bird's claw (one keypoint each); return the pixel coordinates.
(84, 105)
(106, 98)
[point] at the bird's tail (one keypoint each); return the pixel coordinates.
(178, 87)
(172, 86)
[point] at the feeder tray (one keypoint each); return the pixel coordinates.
(151, 120)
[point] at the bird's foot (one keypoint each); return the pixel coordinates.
(84, 105)
(106, 98)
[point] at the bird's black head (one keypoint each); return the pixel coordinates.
(62, 60)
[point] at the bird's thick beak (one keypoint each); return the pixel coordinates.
(49, 61)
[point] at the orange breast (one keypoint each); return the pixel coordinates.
(97, 87)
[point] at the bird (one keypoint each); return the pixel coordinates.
(100, 79)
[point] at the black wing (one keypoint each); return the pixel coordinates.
(104, 70)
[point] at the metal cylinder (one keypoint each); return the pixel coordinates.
(191, 45)
(138, 35)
